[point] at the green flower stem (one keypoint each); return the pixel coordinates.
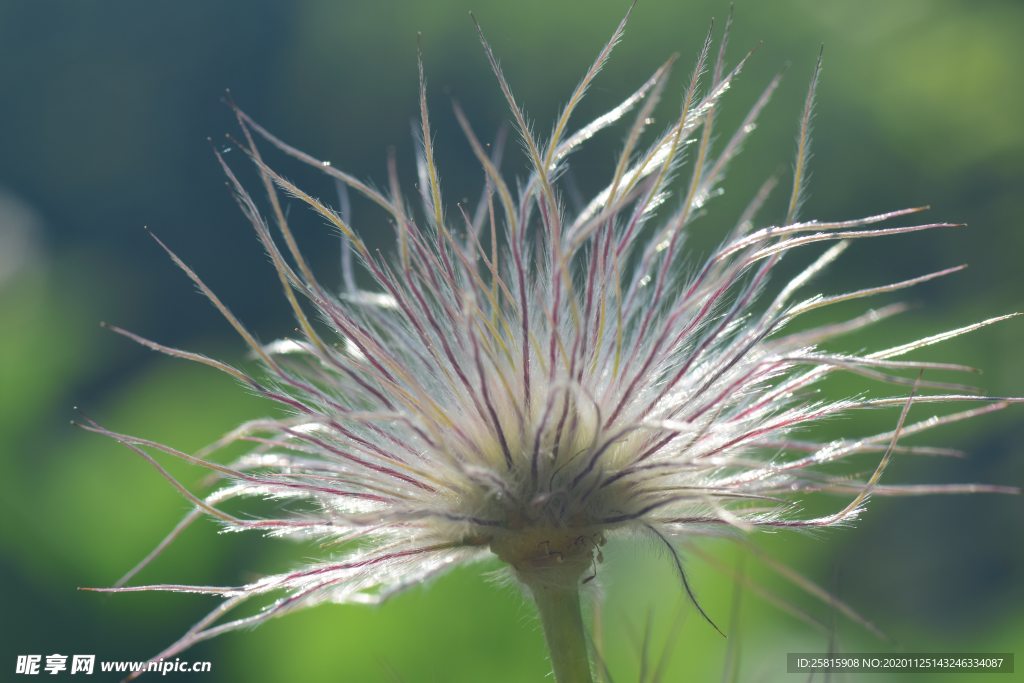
(562, 619)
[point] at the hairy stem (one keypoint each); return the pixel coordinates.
(562, 619)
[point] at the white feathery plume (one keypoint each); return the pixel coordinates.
(530, 382)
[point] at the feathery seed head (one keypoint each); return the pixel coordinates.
(528, 382)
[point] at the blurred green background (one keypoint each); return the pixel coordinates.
(104, 112)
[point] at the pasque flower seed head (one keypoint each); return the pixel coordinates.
(531, 382)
